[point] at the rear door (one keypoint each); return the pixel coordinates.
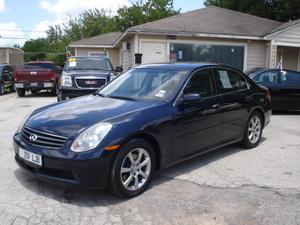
(289, 90)
(233, 88)
(198, 126)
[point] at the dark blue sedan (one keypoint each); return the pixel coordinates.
(149, 118)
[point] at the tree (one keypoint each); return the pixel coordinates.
(281, 10)
(35, 49)
(94, 22)
(143, 12)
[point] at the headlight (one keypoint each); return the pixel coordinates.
(91, 137)
(22, 123)
(66, 80)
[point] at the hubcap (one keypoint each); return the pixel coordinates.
(254, 129)
(135, 169)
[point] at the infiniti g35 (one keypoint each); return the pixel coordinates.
(148, 118)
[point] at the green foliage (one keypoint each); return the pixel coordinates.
(281, 10)
(94, 22)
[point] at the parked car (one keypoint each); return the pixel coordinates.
(6, 78)
(36, 76)
(253, 70)
(284, 87)
(84, 75)
(148, 118)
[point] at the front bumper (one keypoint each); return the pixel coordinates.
(68, 171)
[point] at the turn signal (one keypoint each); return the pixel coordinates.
(112, 147)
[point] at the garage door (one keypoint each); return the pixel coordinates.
(153, 52)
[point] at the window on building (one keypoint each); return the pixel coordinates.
(100, 54)
(230, 55)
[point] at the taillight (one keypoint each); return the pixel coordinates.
(16, 76)
(268, 95)
(52, 75)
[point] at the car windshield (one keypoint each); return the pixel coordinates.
(145, 84)
(88, 63)
(48, 66)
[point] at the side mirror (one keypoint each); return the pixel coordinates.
(119, 69)
(188, 99)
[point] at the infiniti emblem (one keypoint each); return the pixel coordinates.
(33, 138)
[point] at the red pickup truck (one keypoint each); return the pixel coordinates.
(36, 76)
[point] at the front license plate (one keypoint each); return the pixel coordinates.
(30, 157)
(34, 84)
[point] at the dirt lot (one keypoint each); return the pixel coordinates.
(228, 186)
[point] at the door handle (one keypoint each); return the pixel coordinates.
(216, 106)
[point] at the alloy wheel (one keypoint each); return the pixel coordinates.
(135, 169)
(254, 129)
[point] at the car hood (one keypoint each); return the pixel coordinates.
(69, 117)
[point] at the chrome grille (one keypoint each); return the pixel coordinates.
(43, 139)
(90, 83)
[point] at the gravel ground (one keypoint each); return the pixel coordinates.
(228, 186)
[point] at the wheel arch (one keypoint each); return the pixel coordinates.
(152, 141)
(261, 112)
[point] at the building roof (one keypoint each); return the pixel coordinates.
(211, 20)
(284, 26)
(102, 40)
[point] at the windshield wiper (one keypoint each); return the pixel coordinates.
(99, 94)
(121, 97)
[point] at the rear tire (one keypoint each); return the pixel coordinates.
(253, 131)
(133, 169)
(21, 92)
(33, 92)
(2, 89)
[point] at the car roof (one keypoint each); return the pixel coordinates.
(40, 62)
(180, 66)
(274, 69)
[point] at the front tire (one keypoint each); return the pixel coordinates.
(21, 92)
(133, 169)
(253, 131)
(61, 96)
(12, 87)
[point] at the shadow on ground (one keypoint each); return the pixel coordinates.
(90, 198)
(286, 113)
(39, 94)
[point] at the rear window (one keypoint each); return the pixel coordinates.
(48, 66)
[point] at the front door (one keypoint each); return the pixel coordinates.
(198, 126)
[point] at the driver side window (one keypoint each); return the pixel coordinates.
(200, 83)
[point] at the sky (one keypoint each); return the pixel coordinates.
(21, 20)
